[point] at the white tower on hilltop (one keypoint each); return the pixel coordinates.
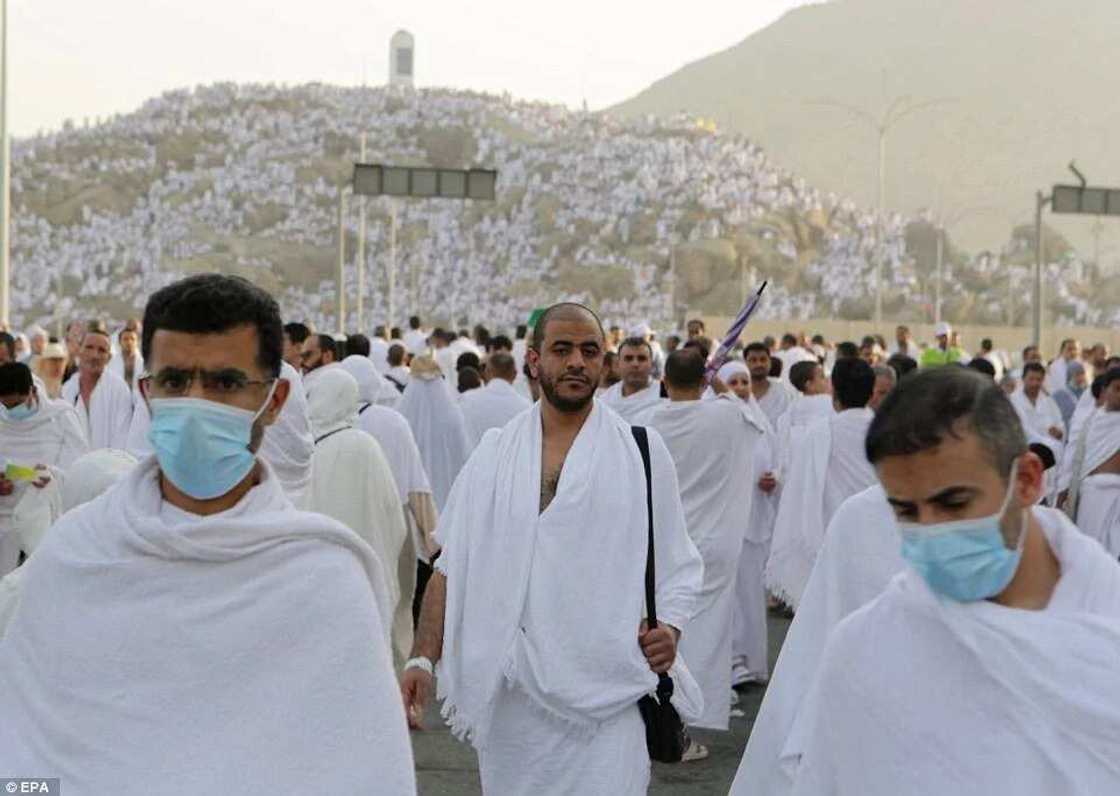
(402, 59)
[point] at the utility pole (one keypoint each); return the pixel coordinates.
(5, 174)
(1040, 202)
(361, 259)
(392, 269)
(940, 272)
(340, 287)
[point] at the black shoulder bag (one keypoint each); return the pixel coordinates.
(666, 737)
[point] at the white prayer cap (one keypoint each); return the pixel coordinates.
(53, 351)
(37, 331)
(732, 368)
(332, 401)
(942, 329)
(642, 330)
(92, 474)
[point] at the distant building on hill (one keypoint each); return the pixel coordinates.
(402, 59)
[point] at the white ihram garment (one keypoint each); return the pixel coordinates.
(236, 653)
(543, 684)
(490, 407)
(107, 418)
(116, 365)
(439, 428)
(633, 408)
(372, 386)
(919, 695)
(712, 444)
(859, 557)
(52, 437)
(827, 465)
(351, 480)
(1094, 498)
(288, 443)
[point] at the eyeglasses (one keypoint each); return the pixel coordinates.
(176, 382)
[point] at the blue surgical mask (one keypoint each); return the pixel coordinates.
(965, 560)
(19, 412)
(203, 446)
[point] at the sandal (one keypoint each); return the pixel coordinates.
(694, 752)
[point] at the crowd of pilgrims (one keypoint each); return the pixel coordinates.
(247, 554)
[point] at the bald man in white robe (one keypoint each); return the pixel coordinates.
(713, 446)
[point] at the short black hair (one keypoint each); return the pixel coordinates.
(981, 365)
(776, 365)
(297, 332)
(789, 338)
(379, 331)
(502, 365)
(1097, 387)
(395, 356)
(868, 340)
(559, 309)
(15, 379)
(846, 350)
(469, 379)
(902, 364)
(214, 303)
(935, 403)
(522, 331)
(1034, 367)
(395, 333)
(684, 368)
(701, 344)
(357, 344)
(414, 322)
(468, 359)
(500, 343)
(986, 344)
(1110, 375)
(756, 346)
(853, 382)
(328, 343)
(1028, 349)
(802, 373)
(636, 342)
(9, 343)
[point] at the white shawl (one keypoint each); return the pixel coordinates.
(116, 365)
(800, 524)
(859, 557)
(107, 418)
(373, 388)
(440, 431)
(352, 481)
(921, 695)
(633, 408)
(236, 653)
(511, 571)
(804, 410)
(288, 444)
(1097, 442)
(490, 407)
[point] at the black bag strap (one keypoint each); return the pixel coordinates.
(642, 439)
(664, 682)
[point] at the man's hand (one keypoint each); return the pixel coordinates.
(44, 476)
(1056, 432)
(659, 646)
(6, 487)
(416, 690)
(768, 483)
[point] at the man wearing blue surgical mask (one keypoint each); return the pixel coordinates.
(988, 665)
(191, 615)
(35, 434)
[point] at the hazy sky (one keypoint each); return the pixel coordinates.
(85, 58)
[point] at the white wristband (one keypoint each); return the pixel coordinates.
(421, 663)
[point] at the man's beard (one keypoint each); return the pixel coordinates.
(567, 405)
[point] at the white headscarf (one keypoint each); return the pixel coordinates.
(93, 474)
(373, 388)
(732, 368)
(333, 402)
(438, 425)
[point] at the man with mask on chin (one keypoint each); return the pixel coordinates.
(35, 432)
(537, 603)
(989, 664)
(190, 631)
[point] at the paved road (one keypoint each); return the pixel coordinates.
(446, 767)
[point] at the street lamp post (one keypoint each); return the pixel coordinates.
(882, 124)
